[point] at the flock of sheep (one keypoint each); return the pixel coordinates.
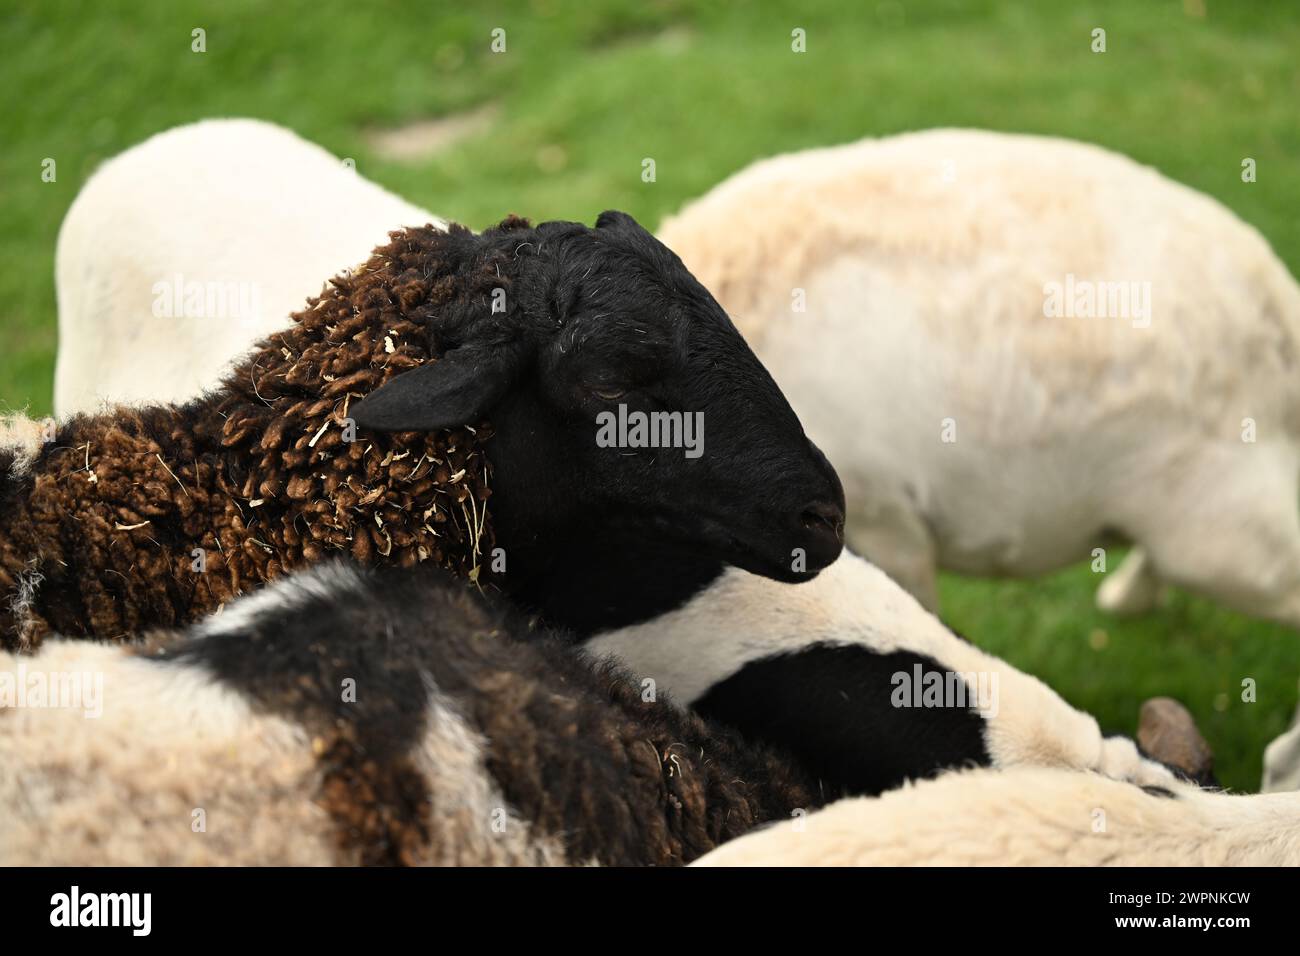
(362, 588)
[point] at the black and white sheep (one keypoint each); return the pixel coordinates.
(345, 714)
(149, 516)
(849, 673)
(350, 715)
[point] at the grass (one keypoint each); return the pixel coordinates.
(586, 91)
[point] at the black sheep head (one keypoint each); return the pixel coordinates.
(597, 330)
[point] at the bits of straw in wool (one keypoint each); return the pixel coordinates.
(152, 517)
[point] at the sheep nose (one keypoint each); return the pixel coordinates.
(824, 515)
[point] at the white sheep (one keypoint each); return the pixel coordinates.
(923, 301)
(181, 252)
(1282, 760)
(1031, 817)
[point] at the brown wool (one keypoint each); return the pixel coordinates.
(118, 512)
(380, 809)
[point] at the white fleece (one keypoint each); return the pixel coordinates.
(238, 207)
(973, 431)
(1030, 817)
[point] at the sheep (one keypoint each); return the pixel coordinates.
(345, 714)
(149, 516)
(943, 276)
(835, 671)
(647, 580)
(1009, 194)
(254, 735)
(350, 715)
(1282, 761)
(21, 439)
(1031, 816)
(195, 207)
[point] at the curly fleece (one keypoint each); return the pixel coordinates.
(153, 516)
(473, 738)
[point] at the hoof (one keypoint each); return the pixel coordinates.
(1167, 732)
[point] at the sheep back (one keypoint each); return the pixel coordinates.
(151, 516)
(386, 718)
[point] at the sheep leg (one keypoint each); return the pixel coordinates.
(1282, 761)
(1244, 548)
(837, 670)
(1132, 588)
(866, 709)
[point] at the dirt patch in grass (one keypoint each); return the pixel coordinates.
(422, 139)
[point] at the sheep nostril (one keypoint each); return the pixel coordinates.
(823, 514)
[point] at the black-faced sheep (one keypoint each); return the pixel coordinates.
(740, 641)
(150, 516)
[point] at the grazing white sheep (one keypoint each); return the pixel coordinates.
(1011, 345)
(181, 252)
(1031, 817)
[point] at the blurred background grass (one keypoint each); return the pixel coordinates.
(585, 90)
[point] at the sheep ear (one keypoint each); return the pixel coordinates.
(613, 219)
(457, 389)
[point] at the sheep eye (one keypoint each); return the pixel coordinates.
(609, 394)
